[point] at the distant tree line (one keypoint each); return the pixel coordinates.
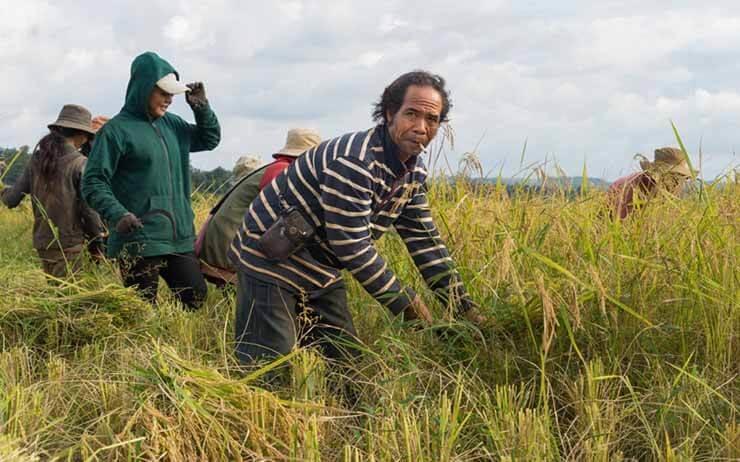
(16, 170)
(216, 180)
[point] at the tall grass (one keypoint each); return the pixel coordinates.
(610, 340)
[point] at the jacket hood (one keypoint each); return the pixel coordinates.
(146, 70)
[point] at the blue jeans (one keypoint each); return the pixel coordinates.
(271, 320)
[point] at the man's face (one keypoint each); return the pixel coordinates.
(417, 121)
(673, 182)
(159, 101)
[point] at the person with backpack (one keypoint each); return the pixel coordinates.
(62, 223)
(224, 220)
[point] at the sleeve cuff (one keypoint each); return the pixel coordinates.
(115, 217)
(404, 299)
(202, 110)
(465, 304)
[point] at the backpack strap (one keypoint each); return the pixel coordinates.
(236, 185)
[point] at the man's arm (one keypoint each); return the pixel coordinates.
(12, 196)
(346, 196)
(97, 188)
(423, 241)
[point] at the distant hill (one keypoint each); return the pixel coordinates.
(573, 181)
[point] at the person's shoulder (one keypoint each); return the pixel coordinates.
(171, 116)
(360, 146)
(173, 120)
(73, 162)
(626, 181)
(116, 126)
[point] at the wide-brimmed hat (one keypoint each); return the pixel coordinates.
(75, 117)
(246, 164)
(668, 160)
(171, 85)
(298, 141)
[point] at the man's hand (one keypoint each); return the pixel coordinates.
(196, 95)
(417, 310)
(128, 224)
(474, 316)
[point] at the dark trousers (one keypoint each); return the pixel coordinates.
(271, 320)
(60, 263)
(181, 272)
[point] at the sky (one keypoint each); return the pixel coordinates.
(580, 82)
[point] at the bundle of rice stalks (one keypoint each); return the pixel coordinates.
(71, 314)
(11, 451)
(193, 412)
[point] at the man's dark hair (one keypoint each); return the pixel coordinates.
(392, 98)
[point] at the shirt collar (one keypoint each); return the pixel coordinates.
(69, 148)
(391, 154)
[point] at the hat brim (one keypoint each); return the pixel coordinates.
(682, 169)
(291, 152)
(72, 125)
(173, 87)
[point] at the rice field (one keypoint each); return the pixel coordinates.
(608, 340)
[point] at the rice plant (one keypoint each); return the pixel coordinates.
(609, 340)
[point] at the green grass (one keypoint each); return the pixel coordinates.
(609, 341)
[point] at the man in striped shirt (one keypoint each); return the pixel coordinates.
(351, 189)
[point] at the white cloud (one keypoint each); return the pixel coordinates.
(389, 23)
(292, 10)
(720, 103)
(178, 29)
(370, 58)
(579, 79)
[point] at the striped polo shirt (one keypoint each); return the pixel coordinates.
(353, 188)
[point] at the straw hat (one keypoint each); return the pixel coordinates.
(246, 164)
(668, 160)
(75, 117)
(298, 141)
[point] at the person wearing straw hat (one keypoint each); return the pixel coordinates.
(63, 223)
(669, 171)
(223, 222)
(244, 166)
(138, 179)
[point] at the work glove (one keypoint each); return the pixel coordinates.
(196, 95)
(417, 310)
(128, 224)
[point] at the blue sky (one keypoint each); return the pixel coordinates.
(592, 82)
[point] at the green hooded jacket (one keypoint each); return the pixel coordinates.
(142, 165)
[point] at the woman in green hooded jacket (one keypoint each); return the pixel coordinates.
(138, 180)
